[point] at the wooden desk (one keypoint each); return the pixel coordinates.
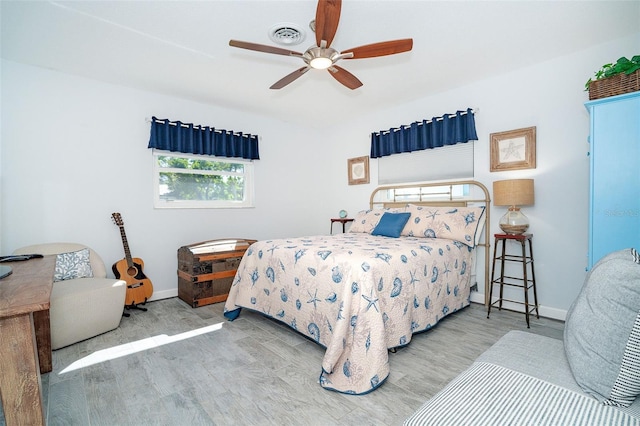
(25, 339)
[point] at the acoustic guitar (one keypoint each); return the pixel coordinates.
(129, 269)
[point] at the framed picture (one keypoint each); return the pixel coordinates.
(358, 170)
(513, 150)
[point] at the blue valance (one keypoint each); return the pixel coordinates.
(449, 129)
(185, 137)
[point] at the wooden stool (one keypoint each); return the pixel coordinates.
(523, 282)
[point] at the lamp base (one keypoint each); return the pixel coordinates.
(514, 222)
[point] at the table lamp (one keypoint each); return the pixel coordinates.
(513, 193)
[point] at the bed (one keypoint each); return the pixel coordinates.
(405, 263)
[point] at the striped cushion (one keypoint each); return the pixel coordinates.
(488, 394)
(627, 385)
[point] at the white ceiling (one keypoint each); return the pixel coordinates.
(180, 48)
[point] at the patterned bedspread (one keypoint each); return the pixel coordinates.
(355, 294)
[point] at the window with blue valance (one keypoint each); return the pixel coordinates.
(449, 129)
(176, 136)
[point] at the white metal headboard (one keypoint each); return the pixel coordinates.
(459, 193)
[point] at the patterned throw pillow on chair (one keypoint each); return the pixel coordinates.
(73, 265)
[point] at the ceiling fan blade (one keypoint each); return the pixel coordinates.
(327, 18)
(263, 48)
(289, 78)
(345, 77)
(380, 49)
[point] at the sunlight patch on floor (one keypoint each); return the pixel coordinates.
(137, 346)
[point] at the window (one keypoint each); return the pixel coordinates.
(447, 162)
(409, 194)
(200, 181)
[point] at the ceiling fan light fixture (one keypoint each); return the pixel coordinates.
(319, 58)
(320, 63)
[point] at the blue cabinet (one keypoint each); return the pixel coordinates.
(614, 199)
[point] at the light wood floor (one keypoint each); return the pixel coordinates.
(251, 371)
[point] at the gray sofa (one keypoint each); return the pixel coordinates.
(591, 377)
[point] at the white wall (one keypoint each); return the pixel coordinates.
(551, 97)
(74, 150)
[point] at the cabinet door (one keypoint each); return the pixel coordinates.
(615, 176)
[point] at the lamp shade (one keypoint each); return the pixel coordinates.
(513, 192)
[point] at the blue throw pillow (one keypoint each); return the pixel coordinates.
(391, 224)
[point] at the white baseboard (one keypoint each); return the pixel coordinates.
(545, 311)
(477, 297)
(164, 294)
(553, 313)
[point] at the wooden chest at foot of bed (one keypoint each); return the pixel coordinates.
(206, 270)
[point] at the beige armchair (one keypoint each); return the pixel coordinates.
(81, 308)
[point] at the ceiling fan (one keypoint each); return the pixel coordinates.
(323, 56)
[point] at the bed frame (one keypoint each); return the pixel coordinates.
(444, 193)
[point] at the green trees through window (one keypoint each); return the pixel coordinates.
(197, 181)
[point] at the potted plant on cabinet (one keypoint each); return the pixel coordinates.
(617, 78)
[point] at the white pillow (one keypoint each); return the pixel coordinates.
(462, 224)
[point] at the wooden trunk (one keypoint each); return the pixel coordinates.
(206, 270)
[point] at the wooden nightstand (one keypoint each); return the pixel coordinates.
(343, 221)
(525, 282)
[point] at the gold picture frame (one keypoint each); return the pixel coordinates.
(358, 170)
(513, 150)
